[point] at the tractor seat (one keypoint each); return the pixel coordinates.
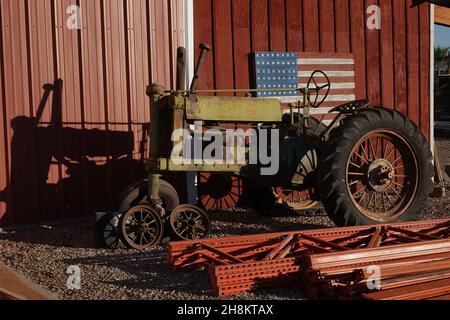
(351, 107)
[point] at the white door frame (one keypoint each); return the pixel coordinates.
(191, 179)
(432, 31)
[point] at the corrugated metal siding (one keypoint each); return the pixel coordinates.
(392, 64)
(67, 169)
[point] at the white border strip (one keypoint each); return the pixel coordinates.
(432, 138)
(191, 177)
(331, 98)
(189, 39)
(325, 61)
(306, 74)
(344, 85)
(312, 111)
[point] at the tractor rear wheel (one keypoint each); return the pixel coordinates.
(376, 168)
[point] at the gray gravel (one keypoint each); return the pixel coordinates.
(43, 254)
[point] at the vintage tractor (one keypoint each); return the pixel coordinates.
(369, 165)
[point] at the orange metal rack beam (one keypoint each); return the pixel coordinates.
(316, 259)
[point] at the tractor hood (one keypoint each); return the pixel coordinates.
(233, 109)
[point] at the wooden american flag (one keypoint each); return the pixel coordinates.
(339, 67)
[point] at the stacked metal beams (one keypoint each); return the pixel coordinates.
(380, 273)
(324, 262)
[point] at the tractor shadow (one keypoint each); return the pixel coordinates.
(146, 270)
(64, 170)
(150, 270)
(77, 233)
(244, 222)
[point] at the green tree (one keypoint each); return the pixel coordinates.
(441, 54)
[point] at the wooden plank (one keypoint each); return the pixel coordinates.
(421, 291)
(4, 161)
(18, 103)
(43, 70)
(311, 25)
(373, 60)
(327, 24)
(320, 55)
(294, 25)
(241, 43)
(277, 23)
(260, 25)
(442, 15)
(424, 93)
(342, 21)
(160, 53)
(203, 33)
(223, 45)
(400, 50)
(413, 64)
(16, 287)
(358, 27)
(387, 55)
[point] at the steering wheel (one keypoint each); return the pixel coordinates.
(319, 85)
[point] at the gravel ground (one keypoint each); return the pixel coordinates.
(43, 254)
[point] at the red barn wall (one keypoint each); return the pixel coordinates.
(71, 167)
(392, 64)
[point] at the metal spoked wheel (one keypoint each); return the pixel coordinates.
(189, 222)
(141, 228)
(376, 167)
(382, 175)
(219, 191)
(297, 200)
(108, 235)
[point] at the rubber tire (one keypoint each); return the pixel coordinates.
(158, 240)
(137, 194)
(333, 189)
(100, 231)
(263, 199)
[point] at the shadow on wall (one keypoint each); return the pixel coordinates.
(84, 184)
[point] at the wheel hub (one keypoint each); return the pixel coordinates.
(190, 222)
(380, 175)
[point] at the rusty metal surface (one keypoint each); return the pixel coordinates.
(421, 291)
(105, 67)
(233, 109)
(15, 287)
(328, 263)
(190, 254)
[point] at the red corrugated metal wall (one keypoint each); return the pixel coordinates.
(392, 64)
(90, 140)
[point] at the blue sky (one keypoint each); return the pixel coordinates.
(442, 36)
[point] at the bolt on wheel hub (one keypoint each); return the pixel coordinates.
(380, 175)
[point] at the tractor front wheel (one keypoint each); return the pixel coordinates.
(376, 168)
